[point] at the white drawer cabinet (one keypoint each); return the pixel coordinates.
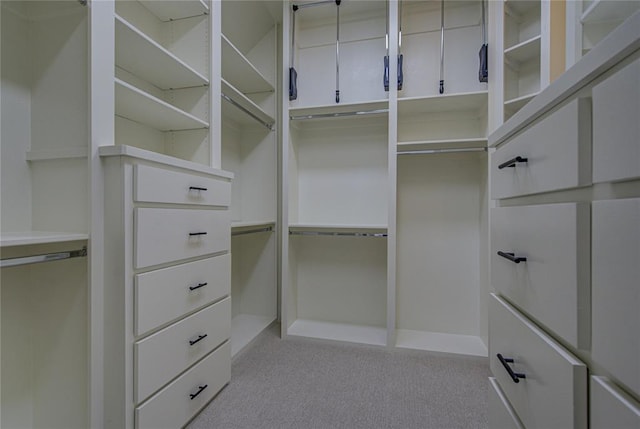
(616, 289)
(553, 390)
(556, 150)
(162, 296)
(501, 413)
(548, 273)
(616, 126)
(611, 408)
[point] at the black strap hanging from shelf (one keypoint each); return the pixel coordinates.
(441, 47)
(386, 58)
(483, 72)
(293, 74)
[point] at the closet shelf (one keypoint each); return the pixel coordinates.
(339, 228)
(339, 332)
(466, 143)
(440, 342)
(172, 10)
(26, 238)
(240, 225)
(240, 72)
(62, 153)
(607, 11)
(329, 109)
(518, 8)
(238, 115)
(516, 104)
(139, 106)
(244, 328)
(443, 103)
(139, 54)
(524, 51)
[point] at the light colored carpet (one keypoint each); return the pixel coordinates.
(312, 384)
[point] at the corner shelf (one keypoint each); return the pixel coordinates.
(524, 51)
(236, 114)
(139, 106)
(330, 109)
(465, 143)
(137, 53)
(605, 11)
(240, 72)
(26, 238)
(172, 10)
(443, 103)
(362, 334)
(515, 104)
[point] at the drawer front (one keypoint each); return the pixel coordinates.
(165, 295)
(552, 285)
(165, 235)
(554, 392)
(610, 407)
(157, 185)
(501, 414)
(616, 126)
(557, 150)
(616, 289)
(173, 406)
(165, 354)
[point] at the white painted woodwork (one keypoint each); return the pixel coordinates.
(471, 345)
(245, 328)
(554, 392)
(552, 285)
(557, 149)
(168, 352)
(615, 297)
(237, 115)
(616, 126)
(163, 295)
(501, 413)
(348, 332)
(172, 406)
(8, 239)
(162, 235)
(240, 72)
(365, 106)
(173, 10)
(158, 185)
(610, 407)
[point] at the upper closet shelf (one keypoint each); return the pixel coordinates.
(8, 239)
(239, 72)
(245, 111)
(144, 57)
(607, 10)
(463, 143)
(516, 104)
(136, 105)
(520, 8)
(522, 52)
(443, 103)
(171, 10)
(329, 110)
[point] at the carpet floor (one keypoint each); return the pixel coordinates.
(302, 383)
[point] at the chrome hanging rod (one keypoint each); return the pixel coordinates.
(316, 3)
(339, 114)
(339, 234)
(433, 151)
(48, 257)
(236, 104)
(252, 231)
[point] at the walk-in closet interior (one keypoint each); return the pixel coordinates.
(179, 175)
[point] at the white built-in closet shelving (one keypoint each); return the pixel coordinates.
(249, 150)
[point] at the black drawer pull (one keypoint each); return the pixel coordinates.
(512, 162)
(515, 376)
(198, 286)
(512, 257)
(200, 389)
(200, 338)
(197, 188)
(192, 234)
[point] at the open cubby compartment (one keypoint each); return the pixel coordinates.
(442, 219)
(249, 52)
(44, 120)
(162, 78)
(338, 172)
(522, 22)
(521, 83)
(362, 50)
(338, 288)
(421, 48)
(600, 17)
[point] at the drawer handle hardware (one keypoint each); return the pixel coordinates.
(199, 286)
(515, 376)
(512, 257)
(512, 162)
(200, 338)
(197, 188)
(200, 389)
(193, 234)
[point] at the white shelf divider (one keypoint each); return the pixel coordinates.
(236, 114)
(607, 10)
(525, 51)
(139, 106)
(467, 143)
(516, 104)
(244, 328)
(338, 228)
(26, 238)
(62, 153)
(240, 225)
(172, 10)
(139, 54)
(301, 112)
(443, 103)
(240, 72)
(441, 343)
(339, 332)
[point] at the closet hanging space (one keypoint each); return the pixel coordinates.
(44, 231)
(249, 150)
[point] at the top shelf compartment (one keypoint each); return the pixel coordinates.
(443, 103)
(377, 106)
(172, 10)
(240, 72)
(607, 11)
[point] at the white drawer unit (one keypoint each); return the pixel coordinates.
(174, 405)
(552, 154)
(616, 126)
(162, 296)
(501, 413)
(158, 185)
(545, 384)
(616, 289)
(540, 261)
(610, 407)
(170, 351)
(165, 235)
